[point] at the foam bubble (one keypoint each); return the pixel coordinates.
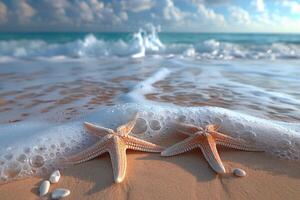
(12, 170)
(22, 158)
(8, 156)
(154, 125)
(181, 118)
(140, 127)
(37, 161)
(250, 135)
(27, 150)
(284, 143)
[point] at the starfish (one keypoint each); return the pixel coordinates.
(115, 143)
(206, 139)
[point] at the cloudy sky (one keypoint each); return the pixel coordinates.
(171, 15)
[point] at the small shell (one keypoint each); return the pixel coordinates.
(54, 177)
(239, 172)
(44, 188)
(60, 193)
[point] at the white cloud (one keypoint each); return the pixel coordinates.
(199, 18)
(85, 12)
(92, 10)
(241, 20)
(259, 5)
(58, 11)
(171, 12)
(210, 15)
(284, 24)
(96, 5)
(290, 25)
(123, 15)
(126, 15)
(96, 12)
(293, 6)
(239, 16)
(137, 5)
(24, 11)
(3, 13)
(59, 5)
(211, 2)
(263, 19)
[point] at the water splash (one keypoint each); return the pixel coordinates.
(147, 41)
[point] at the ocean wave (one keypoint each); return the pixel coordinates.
(143, 43)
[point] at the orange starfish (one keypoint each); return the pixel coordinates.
(115, 143)
(206, 139)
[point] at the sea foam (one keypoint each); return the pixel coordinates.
(43, 144)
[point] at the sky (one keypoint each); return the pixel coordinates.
(171, 15)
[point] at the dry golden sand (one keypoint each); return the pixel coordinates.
(186, 176)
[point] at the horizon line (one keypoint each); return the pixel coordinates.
(168, 32)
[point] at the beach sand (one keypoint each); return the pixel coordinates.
(186, 176)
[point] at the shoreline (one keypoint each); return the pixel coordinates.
(186, 176)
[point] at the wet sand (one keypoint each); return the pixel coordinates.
(186, 176)
(84, 87)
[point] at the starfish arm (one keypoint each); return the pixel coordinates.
(93, 151)
(210, 152)
(234, 143)
(117, 154)
(184, 128)
(181, 147)
(141, 145)
(127, 128)
(212, 127)
(98, 131)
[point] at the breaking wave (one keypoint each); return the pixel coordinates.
(147, 42)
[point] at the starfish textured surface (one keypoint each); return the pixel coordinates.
(206, 139)
(115, 143)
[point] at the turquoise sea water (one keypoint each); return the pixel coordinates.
(166, 38)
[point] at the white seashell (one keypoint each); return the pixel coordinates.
(44, 188)
(239, 172)
(54, 177)
(60, 193)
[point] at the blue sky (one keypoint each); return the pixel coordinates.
(170, 15)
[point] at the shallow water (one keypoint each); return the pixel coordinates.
(68, 88)
(45, 97)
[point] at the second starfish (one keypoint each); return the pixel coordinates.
(116, 144)
(206, 139)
